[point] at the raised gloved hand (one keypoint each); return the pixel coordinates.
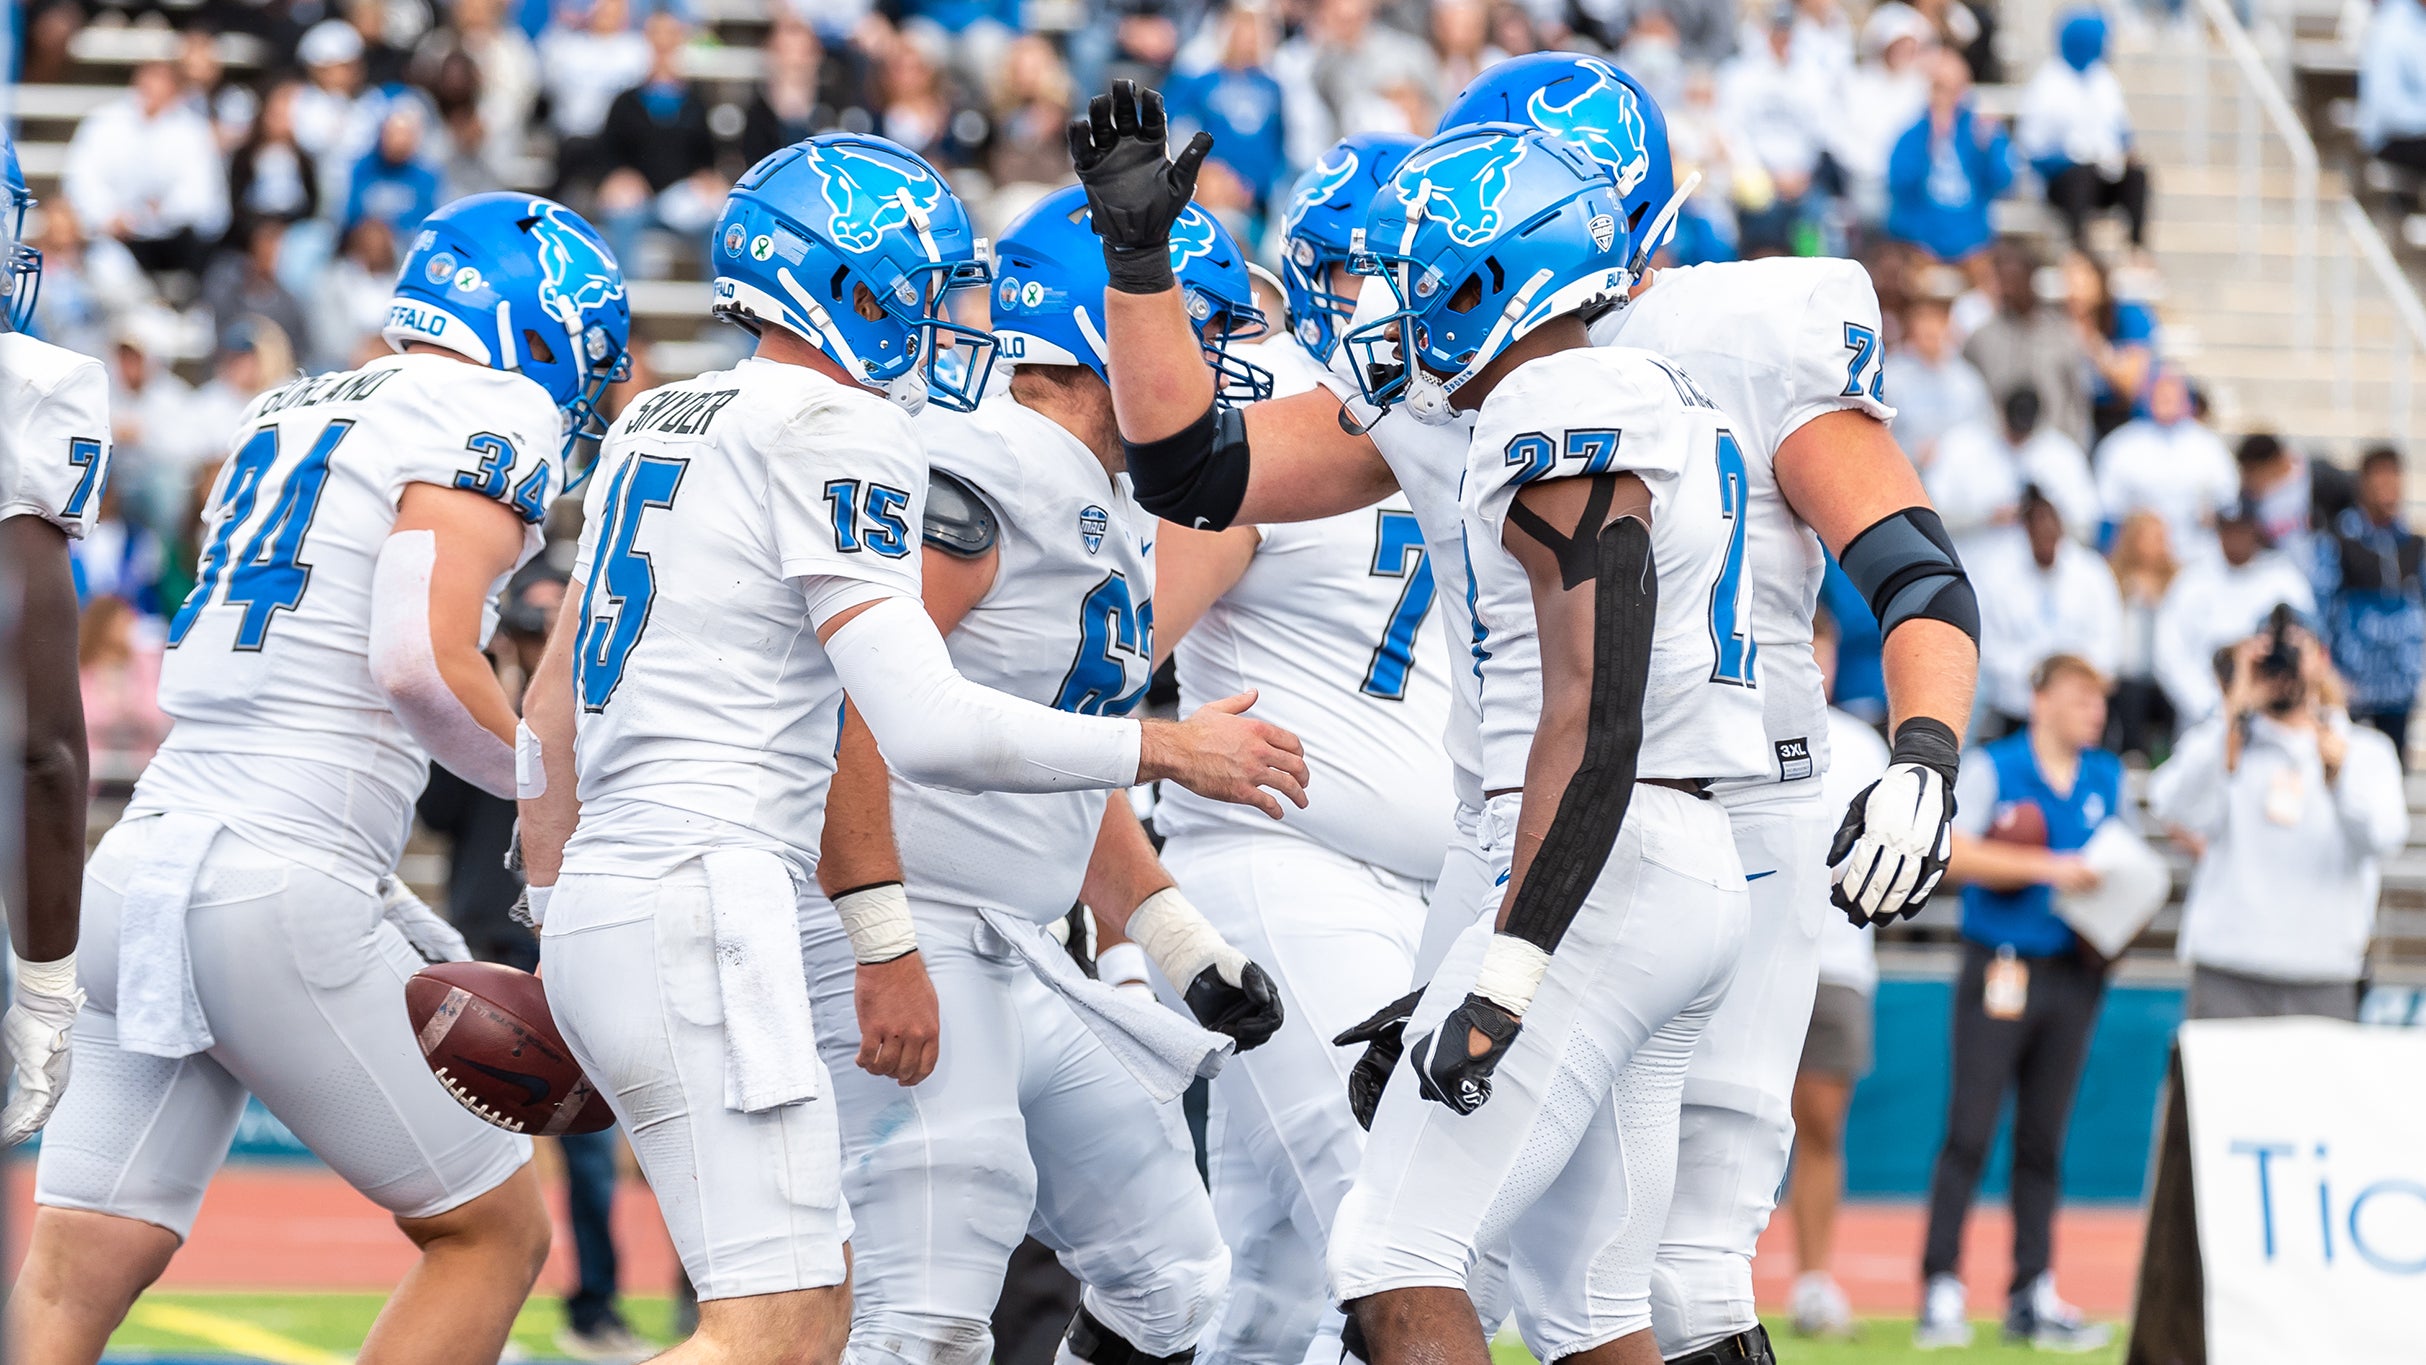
(1899, 831)
(1453, 1063)
(1227, 993)
(1135, 191)
(1384, 1034)
(431, 936)
(37, 1026)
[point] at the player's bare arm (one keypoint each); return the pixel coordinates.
(436, 575)
(1192, 462)
(550, 805)
(42, 920)
(1127, 885)
(1844, 475)
(1192, 569)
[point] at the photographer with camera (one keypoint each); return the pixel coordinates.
(2292, 810)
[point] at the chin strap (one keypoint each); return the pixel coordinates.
(1663, 225)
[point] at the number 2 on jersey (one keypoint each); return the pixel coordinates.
(1731, 596)
(269, 576)
(629, 577)
(1398, 552)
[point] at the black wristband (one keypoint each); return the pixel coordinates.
(1140, 269)
(1929, 742)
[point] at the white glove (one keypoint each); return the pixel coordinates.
(430, 935)
(37, 1024)
(1893, 846)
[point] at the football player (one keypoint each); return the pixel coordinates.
(244, 929)
(54, 459)
(1331, 623)
(1791, 348)
(1538, 1098)
(751, 553)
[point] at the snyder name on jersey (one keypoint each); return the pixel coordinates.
(1609, 410)
(54, 433)
(269, 657)
(1068, 623)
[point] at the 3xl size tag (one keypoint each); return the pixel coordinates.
(1793, 759)
(2006, 992)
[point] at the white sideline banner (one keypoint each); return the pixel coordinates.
(2308, 1159)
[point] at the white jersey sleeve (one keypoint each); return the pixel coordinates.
(846, 490)
(482, 431)
(54, 433)
(1837, 351)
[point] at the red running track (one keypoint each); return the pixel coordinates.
(281, 1227)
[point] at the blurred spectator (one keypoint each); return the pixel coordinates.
(2292, 810)
(2118, 335)
(793, 99)
(1782, 106)
(226, 105)
(2028, 343)
(151, 429)
(917, 109)
(391, 183)
(254, 356)
(335, 117)
(1947, 168)
(1239, 103)
(386, 46)
(1701, 140)
(509, 79)
(1032, 104)
(118, 559)
(1461, 44)
(1966, 27)
(1885, 92)
(73, 308)
(1837, 1048)
(350, 305)
(144, 169)
(1980, 465)
(2392, 88)
(1823, 40)
(2219, 601)
(2368, 566)
(2051, 595)
(2275, 480)
(587, 57)
(2143, 571)
(118, 668)
(970, 37)
(2169, 463)
(659, 154)
(270, 176)
(2075, 130)
(1356, 61)
(1652, 53)
(241, 283)
(2027, 997)
(1934, 389)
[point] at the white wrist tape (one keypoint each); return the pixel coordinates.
(48, 980)
(535, 899)
(404, 665)
(939, 729)
(1182, 941)
(1122, 964)
(1512, 971)
(530, 764)
(878, 920)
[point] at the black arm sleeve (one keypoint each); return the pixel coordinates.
(1624, 614)
(1905, 566)
(1197, 475)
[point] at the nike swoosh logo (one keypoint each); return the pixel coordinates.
(536, 1088)
(1756, 876)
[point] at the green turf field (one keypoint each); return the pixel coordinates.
(325, 1329)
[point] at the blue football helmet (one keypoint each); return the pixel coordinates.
(1599, 108)
(1484, 234)
(856, 245)
(517, 282)
(1326, 207)
(20, 264)
(1050, 281)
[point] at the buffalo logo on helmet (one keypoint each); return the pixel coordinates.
(1315, 190)
(1093, 522)
(1603, 116)
(577, 275)
(1459, 186)
(1191, 236)
(871, 196)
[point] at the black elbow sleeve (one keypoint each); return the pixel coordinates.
(1197, 475)
(1625, 618)
(1906, 568)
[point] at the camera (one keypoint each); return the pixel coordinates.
(2282, 657)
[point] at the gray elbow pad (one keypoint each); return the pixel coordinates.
(1906, 568)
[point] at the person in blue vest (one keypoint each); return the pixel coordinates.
(2027, 997)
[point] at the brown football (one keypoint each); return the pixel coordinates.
(487, 1035)
(2021, 822)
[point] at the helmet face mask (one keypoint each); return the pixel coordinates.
(858, 247)
(20, 262)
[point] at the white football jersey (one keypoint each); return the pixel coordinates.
(280, 733)
(54, 433)
(706, 712)
(1615, 409)
(1068, 623)
(1329, 625)
(1774, 343)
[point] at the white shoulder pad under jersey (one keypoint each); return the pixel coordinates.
(1607, 410)
(706, 711)
(1329, 626)
(54, 433)
(1774, 343)
(1068, 623)
(270, 654)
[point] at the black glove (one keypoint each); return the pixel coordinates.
(1384, 1034)
(1446, 1069)
(1134, 191)
(1249, 1011)
(1898, 834)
